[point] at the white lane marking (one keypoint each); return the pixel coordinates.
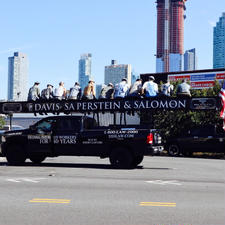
(13, 180)
(18, 180)
(161, 182)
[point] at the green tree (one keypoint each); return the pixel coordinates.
(171, 123)
(2, 121)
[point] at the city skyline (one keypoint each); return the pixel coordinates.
(54, 43)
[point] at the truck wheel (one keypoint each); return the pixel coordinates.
(121, 158)
(173, 150)
(138, 160)
(37, 158)
(15, 154)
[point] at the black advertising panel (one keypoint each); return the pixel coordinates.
(142, 104)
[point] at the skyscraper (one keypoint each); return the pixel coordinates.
(84, 69)
(116, 72)
(170, 35)
(18, 77)
(190, 60)
(219, 43)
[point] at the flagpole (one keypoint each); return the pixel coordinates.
(222, 95)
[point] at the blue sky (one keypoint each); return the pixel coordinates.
(53, 33)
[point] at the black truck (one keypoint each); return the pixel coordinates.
(124, 145)
(208, 138)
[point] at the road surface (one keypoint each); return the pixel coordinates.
(87, 191)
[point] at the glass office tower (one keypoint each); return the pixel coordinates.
(116, 72)
(18, 77)
(219, 43)
(190, 60)
(84, 69)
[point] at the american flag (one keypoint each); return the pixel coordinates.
(222, 95)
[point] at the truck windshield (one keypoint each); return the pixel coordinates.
(45, 125)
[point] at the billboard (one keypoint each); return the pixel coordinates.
(199, 80)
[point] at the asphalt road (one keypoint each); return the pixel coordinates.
(87, 191)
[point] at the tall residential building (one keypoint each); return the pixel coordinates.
(18, 77)
(190, 60)
(170, 35)
(116, 72)
(219, 43)
(84, 69)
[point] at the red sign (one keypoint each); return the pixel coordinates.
(220, 76)
(202, 84)
(178, 77)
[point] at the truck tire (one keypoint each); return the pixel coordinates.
(137, 160)
(15, 154)
(37, 158)
(173, 150)
(121, 158)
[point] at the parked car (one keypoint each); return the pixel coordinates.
(198, 139)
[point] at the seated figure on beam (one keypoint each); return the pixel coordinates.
(150, 88)
(183, 89)
(121, 89)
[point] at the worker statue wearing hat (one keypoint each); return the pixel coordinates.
(89, 91)
(150, 88)
(34, 92)
(107, 92)
(121, 89)
(47, 93)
